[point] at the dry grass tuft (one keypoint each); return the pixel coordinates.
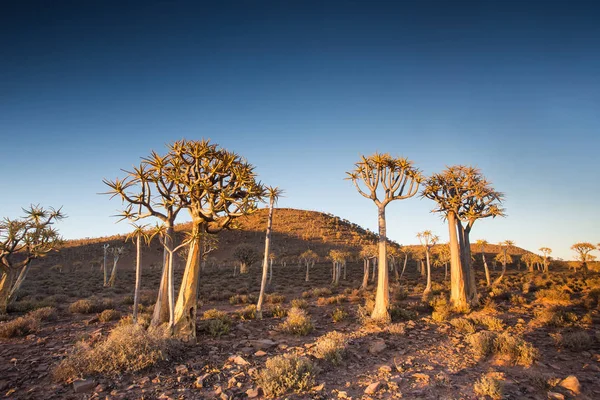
(331, 347)
(298, 322)
(488, 386)
(284, 374)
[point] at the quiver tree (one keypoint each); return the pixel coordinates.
(482, 243)
(441, 257)
(105, 247)
(546, 251)
(138, 235)
(23, 240)
(116, 253)
(383, 179)
(530, 260)
(463, 196)
(149, 190)
(246, 255)
(427, 240)
(274, 193)
(367, 253)
(308, 258)
(504, 258)
(583, 250)
(337, 258)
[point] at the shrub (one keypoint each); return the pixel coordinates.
(128, 348)
(85, 306)
(553, 296)
(339, 315)
(283, 374)
(44, 314)
(398, 313)
(576, 341)
(316, 292)
(592, 299)
(364, 312)
(517, 300)
(20, 326)
(216, 323)
(463, 325)
(331, 347)
(490, 306)
(491, 323)
(488, 386)
(275, 298)
(400, 295)
(441, 309)
(299, 303)
(556, 317)
(242, 299)
(516, 349)
(297, 322)
(248, 312)
(482, 343)
(278, 311)
(109, 315)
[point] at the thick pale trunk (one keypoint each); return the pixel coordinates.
(365, 281)
(161, 308)
(428, 287)
(263, 282)
(138, 277)
(458, 289)
(186, 307)
(17, 285)
(382, 296)
(113, 274)
(485, 267)
(6, 283)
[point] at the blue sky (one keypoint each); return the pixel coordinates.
(302, 89)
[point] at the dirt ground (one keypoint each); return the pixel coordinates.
(418, 358)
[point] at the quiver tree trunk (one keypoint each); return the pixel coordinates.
(403, 266)
(161, 308)
(427, 290)
(105, 247)
(113, 274)
(382, 297)
(263, 282)
(7, 281)
(344, 263)
(365, 281)
(458, 278)
(270, 270)
(18, 283)
(138, 277)
(186, 307)
(307, 270)
(487, 270)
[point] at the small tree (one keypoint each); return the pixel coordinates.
(23, 240)
(383, 179)
(442, 257)
(504, 258)
(337, 258)
(116, 253)
(482, 243)
(427, 240)
(367, 253)
(138, 235)
(308, 258)
(274, 193)
(246, 255)
(105, 266)
(529, 259)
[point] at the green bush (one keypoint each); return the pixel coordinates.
(297, 322)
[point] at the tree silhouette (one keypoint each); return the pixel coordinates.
(504, 258)
(308, 258)
(583, 250)
(427, 240)
(482, 243)
(23, 240)
(383, 179)
(546, 251)
(367, 253)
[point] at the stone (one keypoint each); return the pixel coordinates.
(181, 369)
(262, 344)
(556, 396)
(84, 385)
(260, 353)
(373, 388)
(252, 393)
(377, 347)
(239, 360)
(421, 377)
(201, 381)
(571, 383)
(385, 369)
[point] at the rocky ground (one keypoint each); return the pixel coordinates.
(417, 356)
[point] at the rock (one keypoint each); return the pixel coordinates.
(181, 369)
(252, 393)
(84, 385)
(318, 388)
(342, 395)
(385, 369)
(377, 347)
(262, 344)
(372, 388)
(421, 377)
(571, 383)
(239, 360)
(556, 396)
(260, 353)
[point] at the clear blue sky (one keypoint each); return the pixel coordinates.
(301, 89)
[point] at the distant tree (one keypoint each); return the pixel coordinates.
(529, 259)
(116, 253)
(482, 243)
(105, 266)
(308, 258)
(23, 240)
(407, 251)
(442, 257)
(338, 258)
(272, 257)
(427, 240)
(274, 193)
(463, 196)
(504, 258)
(546, 251)
(383, 179)
(139, 235)
(367, 253)
(246, 255)
(583, 250)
